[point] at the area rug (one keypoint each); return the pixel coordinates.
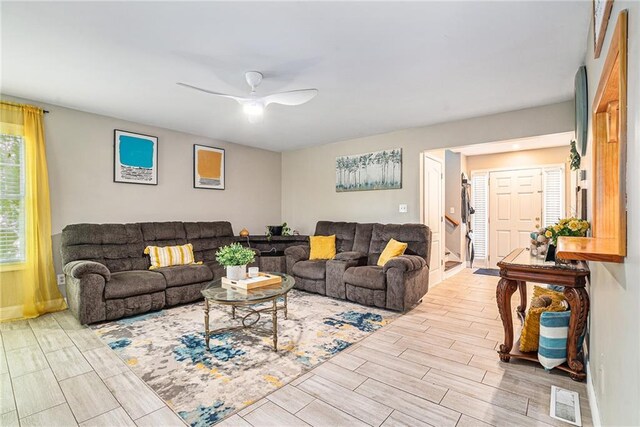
(167, 350)
(488, 272)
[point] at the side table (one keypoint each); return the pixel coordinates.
(518, 268)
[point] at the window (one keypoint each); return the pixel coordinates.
(12, 199)
(553, 192)
(480, 200)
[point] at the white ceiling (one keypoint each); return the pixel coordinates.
(379, 66)
(521, 144)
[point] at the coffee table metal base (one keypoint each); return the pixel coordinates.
(245, 319)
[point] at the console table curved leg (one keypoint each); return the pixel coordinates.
(578, 300)
(504, 291)
(522, 308)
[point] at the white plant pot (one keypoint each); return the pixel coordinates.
(236, 272)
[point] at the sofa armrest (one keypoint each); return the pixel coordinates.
(78, 269)
(350, 256)
(405, 263)
(297, 253)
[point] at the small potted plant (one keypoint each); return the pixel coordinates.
(235, 258)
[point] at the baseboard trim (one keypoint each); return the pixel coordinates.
(593, 403)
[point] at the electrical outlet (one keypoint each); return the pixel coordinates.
(452, 210)
(402, 208)
(60, 278)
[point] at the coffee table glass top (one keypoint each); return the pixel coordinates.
(215, 292)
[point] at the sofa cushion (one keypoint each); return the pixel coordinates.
(315, 269)
(125, 284)
(368, 276)
(185, 274)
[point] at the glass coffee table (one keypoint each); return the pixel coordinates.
(214, 293)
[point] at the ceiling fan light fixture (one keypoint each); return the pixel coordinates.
(253, 108)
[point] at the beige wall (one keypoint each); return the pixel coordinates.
(614, 344)
(527, 158)
(80, 160)
(308, 175)
(453, 199)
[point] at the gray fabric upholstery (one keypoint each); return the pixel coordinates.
(405, 263)
(95, 255)
(335, 277)
(368, 276)
(185, 274)
(344, 231)
(85, 297)
(184, 294)
(404, 289)
(125, 284)
(123, 307)
(310, 285)
(364, 296)
(294, 254)
(353, 273)
(417, 236)
(78, 269)
(350, 256)
(315, 269)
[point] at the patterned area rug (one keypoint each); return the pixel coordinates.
(167, 350)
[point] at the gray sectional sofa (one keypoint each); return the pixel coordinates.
(108, 276)
(107, 272)
(353, 274)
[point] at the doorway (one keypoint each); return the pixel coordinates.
(432, 217)
(515, 209)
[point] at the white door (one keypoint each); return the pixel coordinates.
(433, 217)
(515, 210)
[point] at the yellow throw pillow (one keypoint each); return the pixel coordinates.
(393, 249)
(530, 335)
(167, 256)
(322, 247)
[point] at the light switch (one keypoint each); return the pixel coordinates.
(402, 208)
(452, 210)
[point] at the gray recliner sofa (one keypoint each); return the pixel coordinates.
(353, 274)
(107, 272)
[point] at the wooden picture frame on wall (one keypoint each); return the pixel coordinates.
(601, 14)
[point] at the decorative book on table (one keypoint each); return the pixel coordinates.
(263, 279)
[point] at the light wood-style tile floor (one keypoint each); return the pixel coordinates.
(55, 372)
(435, 366)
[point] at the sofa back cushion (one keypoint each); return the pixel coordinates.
(120, 247)
(207, 237)
(345, 233)
(362, 240)
(417, 237)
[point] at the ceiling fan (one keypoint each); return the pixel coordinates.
(254, 105)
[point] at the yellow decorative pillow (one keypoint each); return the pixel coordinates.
(167, 256)
(322, 247)
(530, 335)
(393, 249)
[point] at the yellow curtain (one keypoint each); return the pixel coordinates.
(29, 289)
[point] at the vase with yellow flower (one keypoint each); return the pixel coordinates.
(565, 227)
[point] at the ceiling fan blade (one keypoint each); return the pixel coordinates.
(223, 95)
(294, 97)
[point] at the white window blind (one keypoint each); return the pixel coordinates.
(480, 202)
(12, 203)
(553, 181)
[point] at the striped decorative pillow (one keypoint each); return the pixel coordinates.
(554, 329)
(167, 256)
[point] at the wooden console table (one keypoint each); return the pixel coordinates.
(518, 268)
